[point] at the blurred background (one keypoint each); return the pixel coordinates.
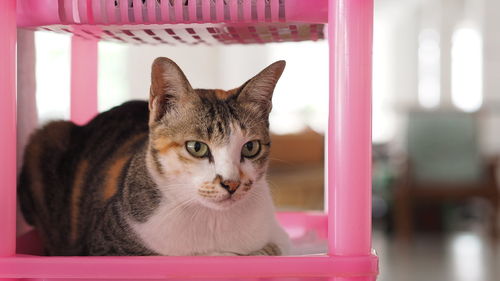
(436, 125)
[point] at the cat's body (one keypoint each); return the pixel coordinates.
(133, 182)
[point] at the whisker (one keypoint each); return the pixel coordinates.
(281, 160)
(273, 186)
(182, 206)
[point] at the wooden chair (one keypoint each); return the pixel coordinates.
(443, 164)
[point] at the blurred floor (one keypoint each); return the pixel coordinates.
(458, 256)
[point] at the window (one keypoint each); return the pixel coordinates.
(429, 82)
(466, 69)
(52, 75)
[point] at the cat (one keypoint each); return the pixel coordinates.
(182, 174)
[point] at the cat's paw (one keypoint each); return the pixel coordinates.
(270, 249)
(222, 254)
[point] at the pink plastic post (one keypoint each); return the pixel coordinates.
(8, 127)
(349, 142)
(83, 79)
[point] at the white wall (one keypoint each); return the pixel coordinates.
(491, 82)
(300, 99)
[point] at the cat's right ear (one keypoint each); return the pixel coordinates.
(169, 87)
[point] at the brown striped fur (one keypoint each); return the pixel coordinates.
(73, 177)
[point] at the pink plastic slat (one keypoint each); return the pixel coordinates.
(349, 138)
(260, 11)
(74, 11)
(185, 267)
(82, 11)
(83, 79)
(122, 12)
(205, 12)
(41, 12)
(209, 34)
(8, 127)
(109, 11)
(191, 9)
(137, 10)
(98, 9)
(151, 11)
(68, 12)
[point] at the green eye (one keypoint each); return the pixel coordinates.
(251, 149)
(197, 149)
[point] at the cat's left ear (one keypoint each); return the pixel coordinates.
(258, 91)
(169, 88)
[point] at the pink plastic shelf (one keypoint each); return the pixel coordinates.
(347, 225)
(179, 21)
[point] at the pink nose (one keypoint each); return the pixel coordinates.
(230, 186)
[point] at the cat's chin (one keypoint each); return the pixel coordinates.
(221, 205)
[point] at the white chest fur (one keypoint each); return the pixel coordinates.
(197, 230)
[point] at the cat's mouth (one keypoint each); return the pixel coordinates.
(229, 200)
(218, 198)
(221, 203)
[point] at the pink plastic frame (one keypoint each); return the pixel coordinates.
(348, 223)
(84, 57)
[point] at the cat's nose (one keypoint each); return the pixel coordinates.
(230, 186)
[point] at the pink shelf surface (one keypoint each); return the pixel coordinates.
(175, 22)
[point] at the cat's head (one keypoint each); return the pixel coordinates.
(209, 146)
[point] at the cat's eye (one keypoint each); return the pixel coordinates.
(251, 149)
(197, 149)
